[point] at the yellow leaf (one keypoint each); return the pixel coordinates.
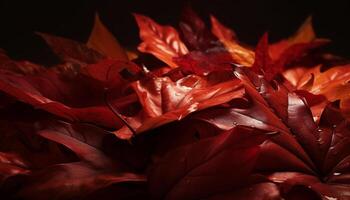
(103, 41)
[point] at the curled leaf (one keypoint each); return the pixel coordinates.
(161, 41)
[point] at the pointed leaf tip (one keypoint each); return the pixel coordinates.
(103, 41)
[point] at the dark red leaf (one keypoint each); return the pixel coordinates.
(96, 170)
(206, 168)
(195, 33)
(200, 63)
(263, 63)
(10, 165)
(70, 50)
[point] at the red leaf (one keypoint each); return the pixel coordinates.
(82, 178)
(104, 42)
(20, 67)
(10, 165)
(71, 94)
(195, 33)
(297, 51)
(70, 50)
(254, 191)
(161, 41)
(263, 62)
(289, 180)
(95, 170)
(200, 63)
(240, 54)
(165, 101)
(113, 73)
(85, 141)
(206, 168)
(325, 143)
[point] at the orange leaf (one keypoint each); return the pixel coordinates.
(103, 41)
(165, 101)
(240, 54)
(161, 41)
(332, 84)
(305, 34)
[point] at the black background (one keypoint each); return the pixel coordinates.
(249, 18)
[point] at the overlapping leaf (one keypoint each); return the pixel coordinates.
(208, 122)
(161, 41)
(195, 33)
(192, 168)
(288, 113)
(240, 54)
(164, 100)
(94, 171)
(70, 94)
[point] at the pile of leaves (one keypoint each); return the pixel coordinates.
(207, 117)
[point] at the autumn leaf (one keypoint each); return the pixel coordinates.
(263, 62)
(195, 33)
(219, 122)
(240, 54)
(203, 63)
(304, 34)
(104, 42)
(297, 46)
(71, 51)
(21, 67)
(94, 171)
(164, 101)
(289, 114)
(10, 165)
(66, 94)
(331, 84)
(161, 41)
(207, 165)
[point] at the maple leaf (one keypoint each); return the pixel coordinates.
(192, 168)
(222, 121)
(332, 84)
(270, 66)
(161, 41)
(304, 153)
